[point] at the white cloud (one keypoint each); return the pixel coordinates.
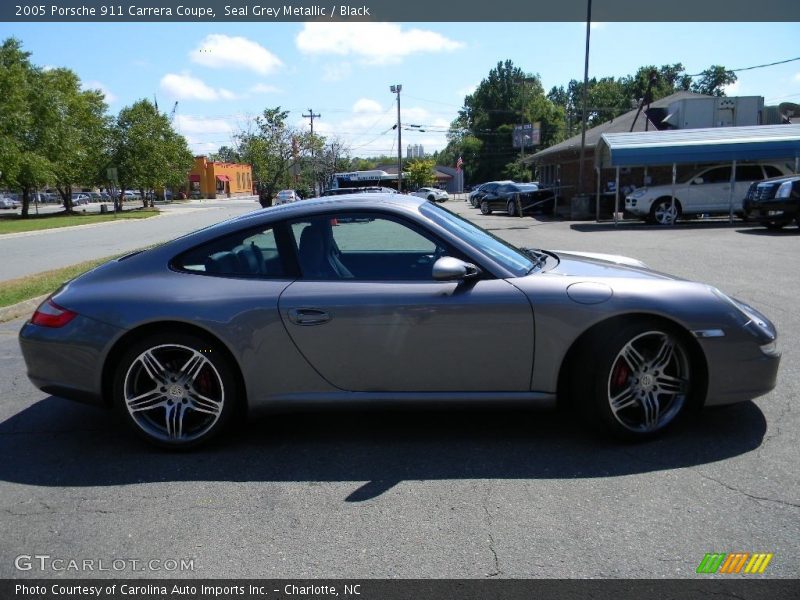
(336, 72)
(371, 43)
(365, 105)
(797, 77)
(96, 85)
(186, 87)
(222, 52)
(263, 88)
(189, 125)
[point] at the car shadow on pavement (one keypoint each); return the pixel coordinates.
(789, 231)
(59, 443)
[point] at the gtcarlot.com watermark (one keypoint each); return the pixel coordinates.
(46, 563)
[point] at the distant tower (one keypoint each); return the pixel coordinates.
(410, 151)
(421, 151)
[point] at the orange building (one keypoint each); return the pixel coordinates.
(209, 179)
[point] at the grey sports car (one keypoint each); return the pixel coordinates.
(377, 298)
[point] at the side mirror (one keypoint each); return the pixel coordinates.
(448, 268)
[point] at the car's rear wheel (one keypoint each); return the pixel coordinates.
(511, 208)
(176, 390)
(663, 213)
(485, 210)
(640, 380)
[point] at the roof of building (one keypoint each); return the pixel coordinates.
(715, 144)
(619, 125)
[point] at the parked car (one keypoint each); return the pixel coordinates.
(358, 190)
(285, 197)
(531, 199)
(432, 194)
(6, 202)
(774, 202)
(478, 193)
(80, 199)
(131, 195)
(354, 298)
(707, 191)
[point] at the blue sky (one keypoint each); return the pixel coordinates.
(222, 73)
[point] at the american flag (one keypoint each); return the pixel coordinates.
(459, 163)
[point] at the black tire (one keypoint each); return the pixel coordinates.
(431, 198)
(485, 210)
(175, 390)
(635, 380)
(661, 213)
(511, 209)
(775, 225)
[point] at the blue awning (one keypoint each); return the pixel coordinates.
(716, 144)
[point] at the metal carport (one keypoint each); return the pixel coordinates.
(712, 145)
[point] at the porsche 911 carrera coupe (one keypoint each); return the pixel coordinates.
(388, 298)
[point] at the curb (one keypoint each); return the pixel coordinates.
(21, 309)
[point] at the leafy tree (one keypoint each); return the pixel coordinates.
(146, 151)
(482, 133)
(518, 171)
(713, 81)
(74, 130)
(23, 165)
(226, 154)
(267, 146)
(420, 172)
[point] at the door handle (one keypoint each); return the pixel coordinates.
(308, 316)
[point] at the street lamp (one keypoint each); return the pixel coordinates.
(396, 89)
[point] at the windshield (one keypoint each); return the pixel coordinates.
(501, 251)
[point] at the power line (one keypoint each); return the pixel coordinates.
(772, 64)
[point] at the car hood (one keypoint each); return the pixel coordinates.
(592, 264)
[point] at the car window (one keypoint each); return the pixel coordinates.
(364, 247)
(251, 254)
(772, 171)
(718, 175)
(749, 173)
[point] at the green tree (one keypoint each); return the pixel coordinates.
(508, 96)
(267, 146)
(23, 164)
(420, 172)
(226, 154)
(713, 81)
(75, 129)
(146, 151)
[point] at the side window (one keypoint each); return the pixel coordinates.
(252, 254)
(718, 175)
(364, 247)
(749, 173)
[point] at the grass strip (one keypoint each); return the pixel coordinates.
(16, 224)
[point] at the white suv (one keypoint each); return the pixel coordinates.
(706, 192)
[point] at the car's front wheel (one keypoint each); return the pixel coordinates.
(511, 209)
(175, 390)
(664, 213)
(485, 210)
(640, 379)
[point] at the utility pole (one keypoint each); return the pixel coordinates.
(583, 100)
(312, 116)
(396, 89)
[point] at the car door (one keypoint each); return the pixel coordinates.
(378, 321)
(708, 191)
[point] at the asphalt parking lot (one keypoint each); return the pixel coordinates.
(468, 494)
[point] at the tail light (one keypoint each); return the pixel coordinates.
(50, 314)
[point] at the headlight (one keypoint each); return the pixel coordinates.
(753, 320)
(638, 193)
(785, 190)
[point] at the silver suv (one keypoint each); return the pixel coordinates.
(708, 191)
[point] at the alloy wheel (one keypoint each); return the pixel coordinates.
(173, 393)
(649, 382)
